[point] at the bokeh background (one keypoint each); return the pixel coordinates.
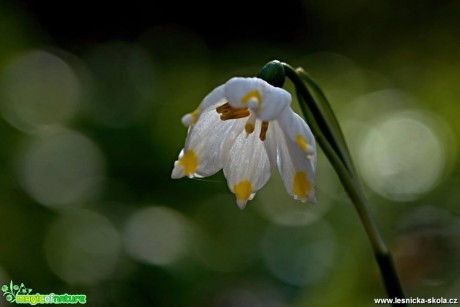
(91, 97)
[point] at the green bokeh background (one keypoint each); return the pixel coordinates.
(90, 131)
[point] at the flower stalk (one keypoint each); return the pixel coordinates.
(325, 127)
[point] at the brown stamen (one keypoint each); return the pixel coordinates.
(227, 112)
(263, 131)
(238, 113)
(222, 108)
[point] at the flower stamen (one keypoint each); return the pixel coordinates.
(250, 124)
(228, 112)
(225, 107)
(263, 131)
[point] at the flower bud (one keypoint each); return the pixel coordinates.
(273, 73)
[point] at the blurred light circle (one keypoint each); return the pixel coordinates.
(39, 89)
(82, 247)
(375, 105)
(299, 255)
(402, 156)
(62, 168)
(156, 235)
(279, 207)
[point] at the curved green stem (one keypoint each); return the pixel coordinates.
(327, 131)
(327, 112)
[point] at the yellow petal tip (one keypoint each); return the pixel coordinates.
(241, 203)
(243, 191)
(190, 119)
(189, 162)
(301, 186)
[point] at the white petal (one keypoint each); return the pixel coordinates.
(262, 98)
(213, 99)
(274, 101)
(216, 96)
(205, 143)
(298, 132)
(240, 91)
(296, 169)
(271, 145)
(179, 168)
(249, 165)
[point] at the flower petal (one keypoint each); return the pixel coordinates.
(298, 132)
(249, 164)
(241, 91)
(205, 143)
(263, 99)
(214, 98)
(297, 169)
(274, 101)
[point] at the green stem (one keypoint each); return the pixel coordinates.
(330, 137)
(327, 112)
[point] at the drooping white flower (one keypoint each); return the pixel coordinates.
(246, 126)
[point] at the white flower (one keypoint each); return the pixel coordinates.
(246, 126)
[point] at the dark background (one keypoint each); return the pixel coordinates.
(312, 24)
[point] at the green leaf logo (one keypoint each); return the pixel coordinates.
(13, 290)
